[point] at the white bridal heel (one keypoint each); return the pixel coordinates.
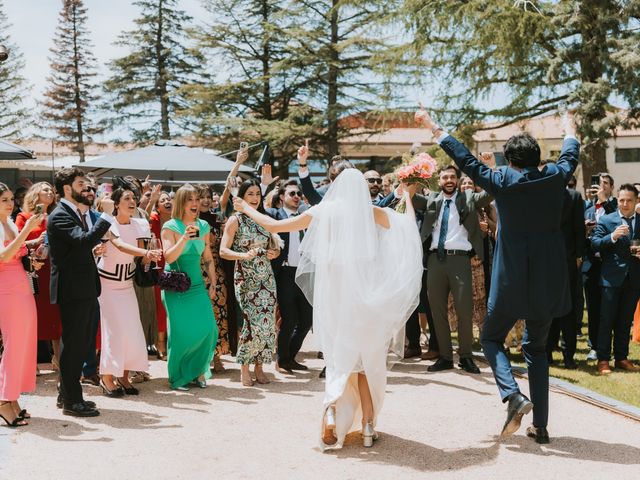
(329, 437)
(368, 435)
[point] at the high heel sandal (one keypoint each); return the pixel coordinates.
(329, 426)
(247, 381)
(115, 393)
(368, 435)
(16, 422)
(217, 365)
(128, 390)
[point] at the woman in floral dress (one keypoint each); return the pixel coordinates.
(218, 290)
(247, 243)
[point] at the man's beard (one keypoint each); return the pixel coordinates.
(81, 199)
(449, 190)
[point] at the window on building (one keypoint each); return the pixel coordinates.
(627, 155)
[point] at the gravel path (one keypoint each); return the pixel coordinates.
(443, 424)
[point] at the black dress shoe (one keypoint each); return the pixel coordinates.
(115, 393)
(88, 403)
(570, 364)
(297, 366)
(320, 355)
(468, 365)
(539, 434)
(80, 410)
(440, 365)
(323, 373)
(519, 405)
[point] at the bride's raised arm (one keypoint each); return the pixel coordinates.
(294, 224)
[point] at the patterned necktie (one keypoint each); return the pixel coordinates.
(444, 226)
(83, 218)
(629, 222)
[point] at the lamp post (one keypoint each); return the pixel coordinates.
(4, 53)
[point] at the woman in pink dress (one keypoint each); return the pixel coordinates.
(123, 345)
(49, 324)
(18, 316)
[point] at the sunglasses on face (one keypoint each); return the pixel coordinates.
(90, 189)
(374, 180)
(295, 194)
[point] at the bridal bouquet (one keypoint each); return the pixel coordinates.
(419, 171)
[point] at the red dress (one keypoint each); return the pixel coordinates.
(161, 314)
(49, 324)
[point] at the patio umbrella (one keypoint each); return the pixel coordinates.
(164, 161)
(9, 151)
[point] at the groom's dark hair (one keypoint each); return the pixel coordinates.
(338, 167)
(522, 151)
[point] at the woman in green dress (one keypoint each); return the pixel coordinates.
(192, 330)
(247, 243)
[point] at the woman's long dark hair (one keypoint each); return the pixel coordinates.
(252, 182)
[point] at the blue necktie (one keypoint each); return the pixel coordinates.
(444, 226)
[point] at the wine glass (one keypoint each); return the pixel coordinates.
(233, 186)
(154, 244)
(104, 240)
(40, 254)
(635, 247)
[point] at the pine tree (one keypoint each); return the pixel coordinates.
(260, 90)
(71, 91)
(534, 56)
(144, 86)
(13, 86)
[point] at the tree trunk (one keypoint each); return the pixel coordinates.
(163, 94)
(332, 84)
(267, 103)
(594, 40)
(77, 98)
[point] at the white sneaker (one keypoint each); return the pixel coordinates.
(592, 355)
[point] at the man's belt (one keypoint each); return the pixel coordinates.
(464, 253)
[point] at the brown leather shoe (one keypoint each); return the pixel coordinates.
(412, 352)
(626, 365)
(430, 355)
(603, 367)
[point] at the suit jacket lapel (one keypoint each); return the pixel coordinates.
(73, 214)
(461, 205)
(439, 202)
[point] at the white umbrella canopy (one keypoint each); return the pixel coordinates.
(9, 151)
(164, 161)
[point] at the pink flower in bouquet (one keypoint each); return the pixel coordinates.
(422, 168)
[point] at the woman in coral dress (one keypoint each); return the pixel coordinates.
(49, 324)
(18, 315)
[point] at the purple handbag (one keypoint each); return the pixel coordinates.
(174, 281)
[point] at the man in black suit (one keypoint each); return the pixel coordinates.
(573, 229)
(295, 310)
(615, 238)
(75, 285)
(451, 235)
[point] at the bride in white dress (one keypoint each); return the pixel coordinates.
(361, 269)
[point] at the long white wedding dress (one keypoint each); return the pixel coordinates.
(363, 281)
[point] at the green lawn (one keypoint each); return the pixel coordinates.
(619, 385)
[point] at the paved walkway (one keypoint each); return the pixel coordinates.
(439, 425)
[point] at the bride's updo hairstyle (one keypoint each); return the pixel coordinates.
(338, 167)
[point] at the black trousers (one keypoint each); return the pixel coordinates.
(593, 297)
(618, 306)
(567, 323)
(77, 325)
(296, 313)
(412, 327)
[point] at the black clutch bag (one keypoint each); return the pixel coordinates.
(145, 277)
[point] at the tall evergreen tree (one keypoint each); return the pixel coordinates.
(260, 89)
(292, 70)
(13, 86)
(535, 55)
(71, 91)
(143, 88)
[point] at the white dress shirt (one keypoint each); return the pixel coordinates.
(293, 258)
(457, 235)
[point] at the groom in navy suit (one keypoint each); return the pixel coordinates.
(530, 279)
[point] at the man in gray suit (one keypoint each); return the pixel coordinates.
(451, 235)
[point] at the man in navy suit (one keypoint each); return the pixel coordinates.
(530, 279)
(295, 310)
(619, 278)
(75, 285)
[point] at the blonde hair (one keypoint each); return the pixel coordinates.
(31, 197)
(183, 195)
